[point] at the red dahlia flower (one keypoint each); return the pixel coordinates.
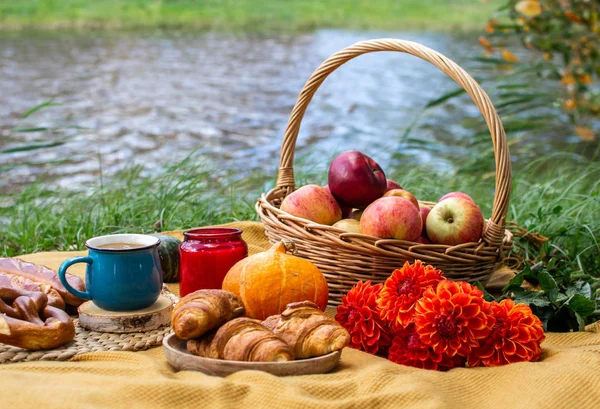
(402, 290)
(407, 349)
(515, 337)
(359, 314)
(452, 318)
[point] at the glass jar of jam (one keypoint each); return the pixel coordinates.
(206, 255)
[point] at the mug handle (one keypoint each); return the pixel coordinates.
(63, 279)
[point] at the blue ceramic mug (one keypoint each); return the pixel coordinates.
(123, 272)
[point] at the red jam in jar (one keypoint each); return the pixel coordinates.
(206, 256)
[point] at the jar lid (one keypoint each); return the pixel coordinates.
(212, 233)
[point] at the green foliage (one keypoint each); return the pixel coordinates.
(559, 278)
(563, 211)
(560, 299)
(246, 15)
(562, 38)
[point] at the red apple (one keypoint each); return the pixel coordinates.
(314, 203)
(423, 240)
(424, 213)
(355, 179)
(403, 193)
(392, 185)
(392, 217)
(345, 210)
(348, 225)
(455, 220)
(456, 194)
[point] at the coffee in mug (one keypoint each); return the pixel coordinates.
(120, 246)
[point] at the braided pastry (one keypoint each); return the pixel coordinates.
(44, 276)
(13, 286)
(31, 323)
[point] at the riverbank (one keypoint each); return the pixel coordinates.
(245, 15)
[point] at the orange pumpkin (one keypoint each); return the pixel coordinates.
(266, 282)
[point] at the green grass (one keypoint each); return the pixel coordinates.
(561, 202)
(245, 15)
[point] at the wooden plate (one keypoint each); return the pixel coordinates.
(182, 360)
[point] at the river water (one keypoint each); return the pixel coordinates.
(150, 99)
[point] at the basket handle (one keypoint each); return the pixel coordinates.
(494, 233)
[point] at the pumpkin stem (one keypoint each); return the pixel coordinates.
(285, 246)
(278, 248)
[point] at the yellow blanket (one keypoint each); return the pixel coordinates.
(568, 376)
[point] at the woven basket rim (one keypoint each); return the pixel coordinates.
(264, 202)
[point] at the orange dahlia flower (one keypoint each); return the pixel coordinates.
(515, 337)
(403, 289)
(453, 318)
(408, 349)
(359, 314)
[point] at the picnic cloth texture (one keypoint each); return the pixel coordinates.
(568, 376)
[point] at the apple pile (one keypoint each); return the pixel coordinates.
(359, 199)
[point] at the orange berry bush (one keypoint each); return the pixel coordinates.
(420, 319)
(564, 35)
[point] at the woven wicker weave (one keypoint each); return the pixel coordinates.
(346, 258)
(90, 341)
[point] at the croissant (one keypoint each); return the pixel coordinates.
(242, 339)
(204, 310)
(203, 346)
(307, 330)
(31, 323)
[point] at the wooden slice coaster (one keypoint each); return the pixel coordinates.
(95, 318)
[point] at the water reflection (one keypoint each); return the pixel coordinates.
(152, 99)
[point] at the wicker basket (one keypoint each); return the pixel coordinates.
(346, 258)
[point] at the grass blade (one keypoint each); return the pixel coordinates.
(445, 97)
(25, 148)
(36, 108)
